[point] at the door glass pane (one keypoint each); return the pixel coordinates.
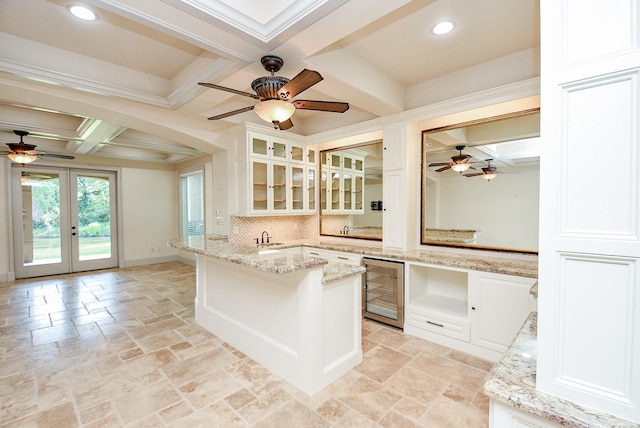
(358, 189)
(297, 191)
(94, 218)
(259, 175)
(382, 285)
(259, 146)
(323, 190)
(335, 190)
(279, 187)
(279, 150)
(41, 218)
(311, 156)
(297, 153)
(347, 191)
(311, 183)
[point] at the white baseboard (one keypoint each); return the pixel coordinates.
(141, 262)
(7, 277)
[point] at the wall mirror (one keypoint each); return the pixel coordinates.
(480, 183)
(351, 191)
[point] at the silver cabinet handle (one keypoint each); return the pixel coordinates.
(434, 323)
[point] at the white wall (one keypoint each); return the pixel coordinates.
(149, 215)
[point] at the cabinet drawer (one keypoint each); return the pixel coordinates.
(346, 258)
(316, 252)
(440, 323)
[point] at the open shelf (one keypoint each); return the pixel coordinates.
(438, 303)
(439, 289)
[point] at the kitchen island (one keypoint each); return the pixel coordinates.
(296, 315)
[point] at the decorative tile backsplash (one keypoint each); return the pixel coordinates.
(279, 228)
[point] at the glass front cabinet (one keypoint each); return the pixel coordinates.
(280, 179)
(342, 189)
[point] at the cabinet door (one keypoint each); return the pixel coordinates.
(311, 157)
(347, 192)
(393, 215)
(260, 186)
(279, 150)
(335, 160)
(324, 190)
(498, 305)
(297, 193)
(279, 188)
(296, 153)
(311, 190)
(358, 193)
(259, 146)
(335, 191)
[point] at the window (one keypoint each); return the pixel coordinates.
(191, 194)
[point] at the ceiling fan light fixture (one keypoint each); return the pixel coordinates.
(489, 175)
(83, 13)
(460, 167)
(274, 110)
(22, 158)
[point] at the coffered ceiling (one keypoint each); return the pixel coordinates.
(125, 85)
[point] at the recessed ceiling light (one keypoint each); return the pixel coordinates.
(82, 13)
(443, 27)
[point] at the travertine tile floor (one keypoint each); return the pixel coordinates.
(121, 348)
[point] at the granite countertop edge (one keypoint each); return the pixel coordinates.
(512, 381)
(249, 255)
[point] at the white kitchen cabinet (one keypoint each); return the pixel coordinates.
(394, 148)
(498, 305)
(302, 189)
(315, 252)
(393, 215)
(268, 147)
(311, 184)
(297, 153)
(476, 312)
(345, 258)
(275, 177)
(268, 193)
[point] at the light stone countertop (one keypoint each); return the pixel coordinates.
(218, 247)
(265, 258)
(513, 381)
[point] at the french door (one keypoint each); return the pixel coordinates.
(64, 220)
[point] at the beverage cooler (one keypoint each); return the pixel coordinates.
(383, 291)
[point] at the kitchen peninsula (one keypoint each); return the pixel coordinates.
(296, 315)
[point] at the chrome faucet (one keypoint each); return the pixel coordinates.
(345, 230)
(267, 237)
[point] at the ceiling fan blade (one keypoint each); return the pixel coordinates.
(53, 155)
(303, 81)
(474, 174)
(285, 125)
(224, 88)
(331, 106)
(439, 164)
(230, 113)
(444, 168)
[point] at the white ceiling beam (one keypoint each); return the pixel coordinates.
(357, 82)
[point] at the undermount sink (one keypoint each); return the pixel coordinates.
(268, 244)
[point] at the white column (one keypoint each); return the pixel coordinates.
(589, 281)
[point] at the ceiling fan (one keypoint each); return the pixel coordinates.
(275, 94)
(459, 162)
(26, 153)
(489, 172)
